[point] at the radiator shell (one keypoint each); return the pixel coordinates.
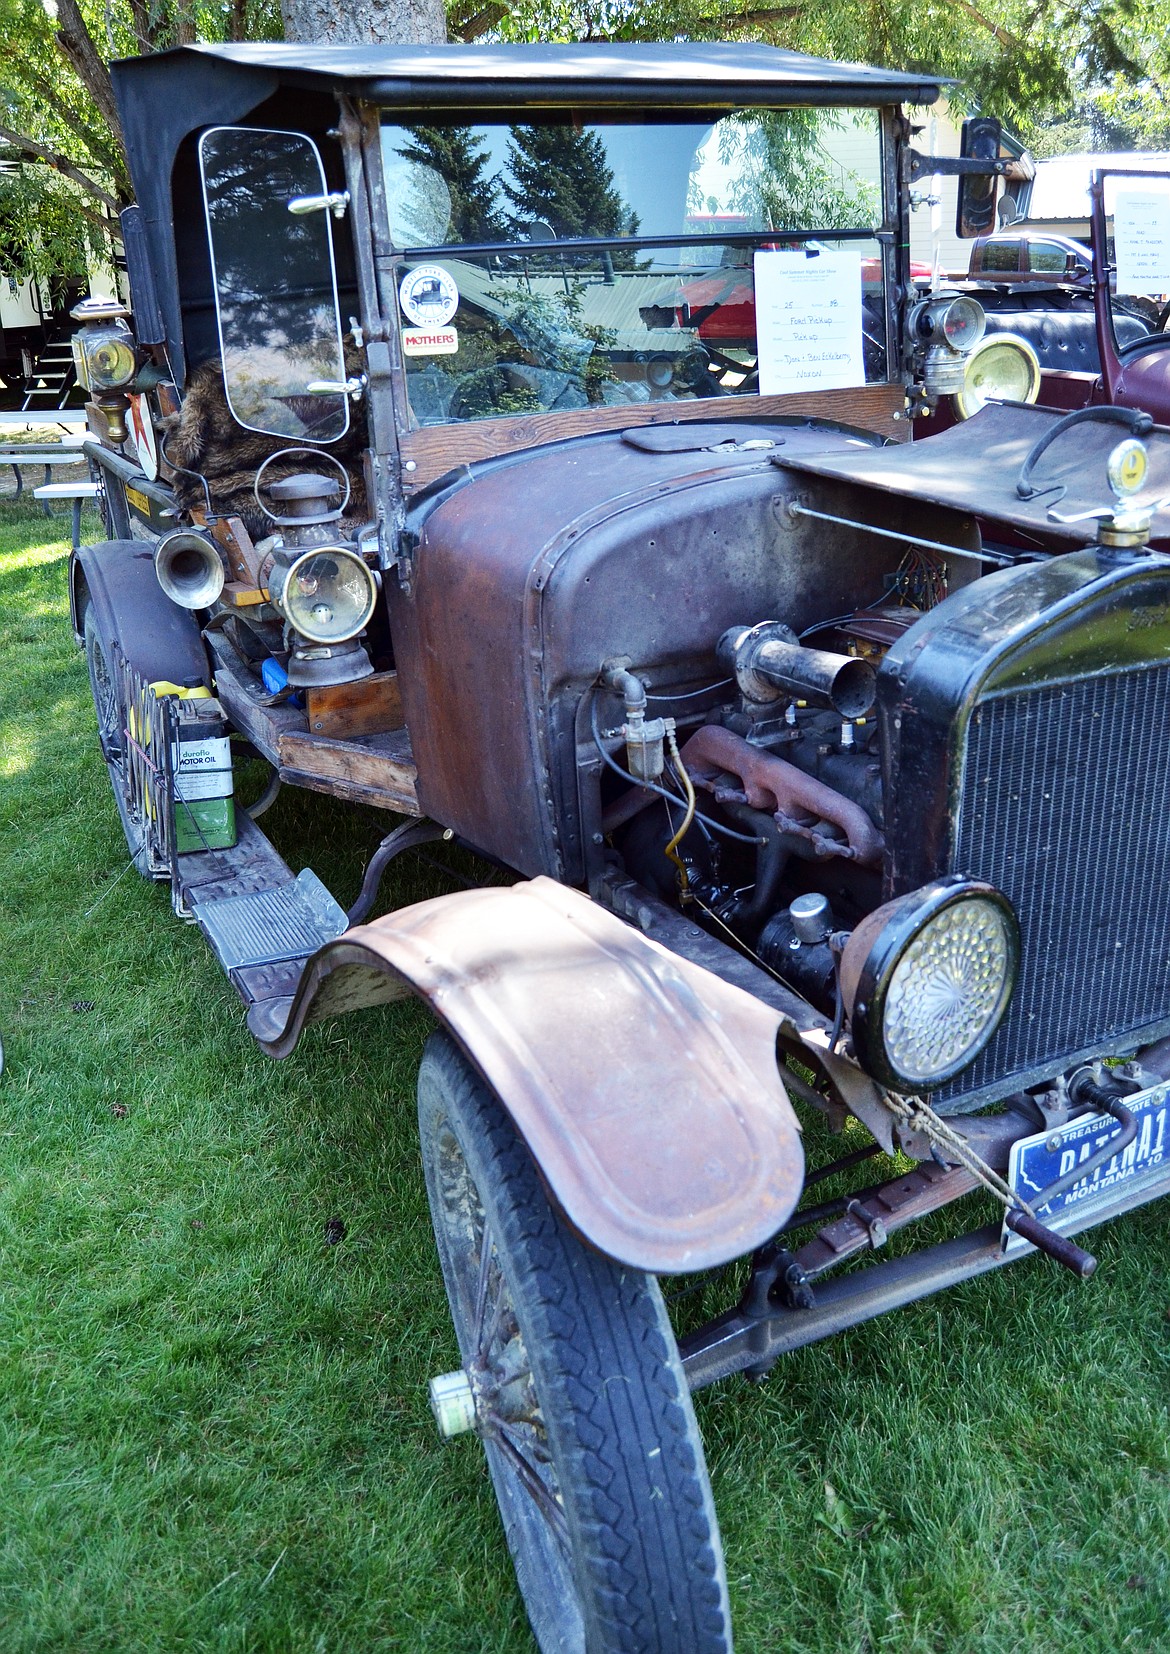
(1026, 741)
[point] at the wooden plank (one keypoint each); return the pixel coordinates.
(263, 725)
(236, 542)
(371, 769)
(441, 448)
(371, 706)
(401, 800)
(241, 596)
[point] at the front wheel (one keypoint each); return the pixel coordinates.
(573, 1383)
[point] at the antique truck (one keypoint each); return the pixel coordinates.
(1061, 327)
(424, 482)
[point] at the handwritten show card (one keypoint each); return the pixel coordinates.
(1141, 240)
(808, 320)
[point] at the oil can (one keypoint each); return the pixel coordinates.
(201, 763)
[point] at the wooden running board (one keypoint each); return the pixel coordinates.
(367, 769)
(364, 769)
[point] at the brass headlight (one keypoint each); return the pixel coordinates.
(103, 351)
(327, 593)
(1002, 367)
(926, 980)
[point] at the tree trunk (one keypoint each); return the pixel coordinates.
(386, 22)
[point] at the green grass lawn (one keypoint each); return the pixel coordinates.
(214, 1432)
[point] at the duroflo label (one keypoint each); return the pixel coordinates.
(428, 296)
(202, 769)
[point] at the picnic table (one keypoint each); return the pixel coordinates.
(19, 455)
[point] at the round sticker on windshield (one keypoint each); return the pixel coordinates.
(428, 296)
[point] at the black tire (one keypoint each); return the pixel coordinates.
(111, 722)
(617, 1551)
(106, 699)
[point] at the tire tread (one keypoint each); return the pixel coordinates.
(616, 1403)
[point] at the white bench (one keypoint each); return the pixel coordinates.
(18, 454)
(77, 491)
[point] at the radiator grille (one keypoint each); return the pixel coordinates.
(1066, 809)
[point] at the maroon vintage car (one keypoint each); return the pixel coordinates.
(795, 791)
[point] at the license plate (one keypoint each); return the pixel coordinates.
(1038, 1161)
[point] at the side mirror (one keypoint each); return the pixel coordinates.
(978, 193)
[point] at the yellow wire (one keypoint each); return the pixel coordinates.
(689, 816)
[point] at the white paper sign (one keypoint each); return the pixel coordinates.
(808, 320)
(1141, 240)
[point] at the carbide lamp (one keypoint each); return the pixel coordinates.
(327, 593)
(945, 329)
(324, 591)
(926, 980)
(105, 359)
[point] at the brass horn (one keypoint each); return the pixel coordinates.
(189, 568)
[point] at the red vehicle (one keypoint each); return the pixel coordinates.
(724, 304)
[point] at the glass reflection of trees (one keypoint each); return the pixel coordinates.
(543, 325)
(274, 281)
(781, 174)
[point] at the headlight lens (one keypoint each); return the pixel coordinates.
(328, 595)
(1002, 366)
(110, 362)
(927, 980)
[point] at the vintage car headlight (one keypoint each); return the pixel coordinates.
(103, 351)
(926, 980)
(327, 594)
(962, 323)
(1002, 367)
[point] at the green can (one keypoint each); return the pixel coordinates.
(201, 763)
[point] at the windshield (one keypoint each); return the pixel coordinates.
(1137, 210)
(563, 262)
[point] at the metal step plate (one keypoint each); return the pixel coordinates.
(267, 926)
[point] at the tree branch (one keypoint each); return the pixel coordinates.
(1008, 41)
(61, 164)
(104, 153)
(478, 23)
(77, 45)
(111, 226)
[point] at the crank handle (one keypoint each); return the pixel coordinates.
(1065, 1251)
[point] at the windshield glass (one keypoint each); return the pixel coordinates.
(563, 262)
(275, 286)
(1137, 211)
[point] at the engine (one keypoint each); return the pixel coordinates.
(841, 718)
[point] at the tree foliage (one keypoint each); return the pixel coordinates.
(457, 155)
(560, 177)
(59, 121)
(1103, 63)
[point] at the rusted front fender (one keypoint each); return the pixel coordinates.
(646, 1088)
